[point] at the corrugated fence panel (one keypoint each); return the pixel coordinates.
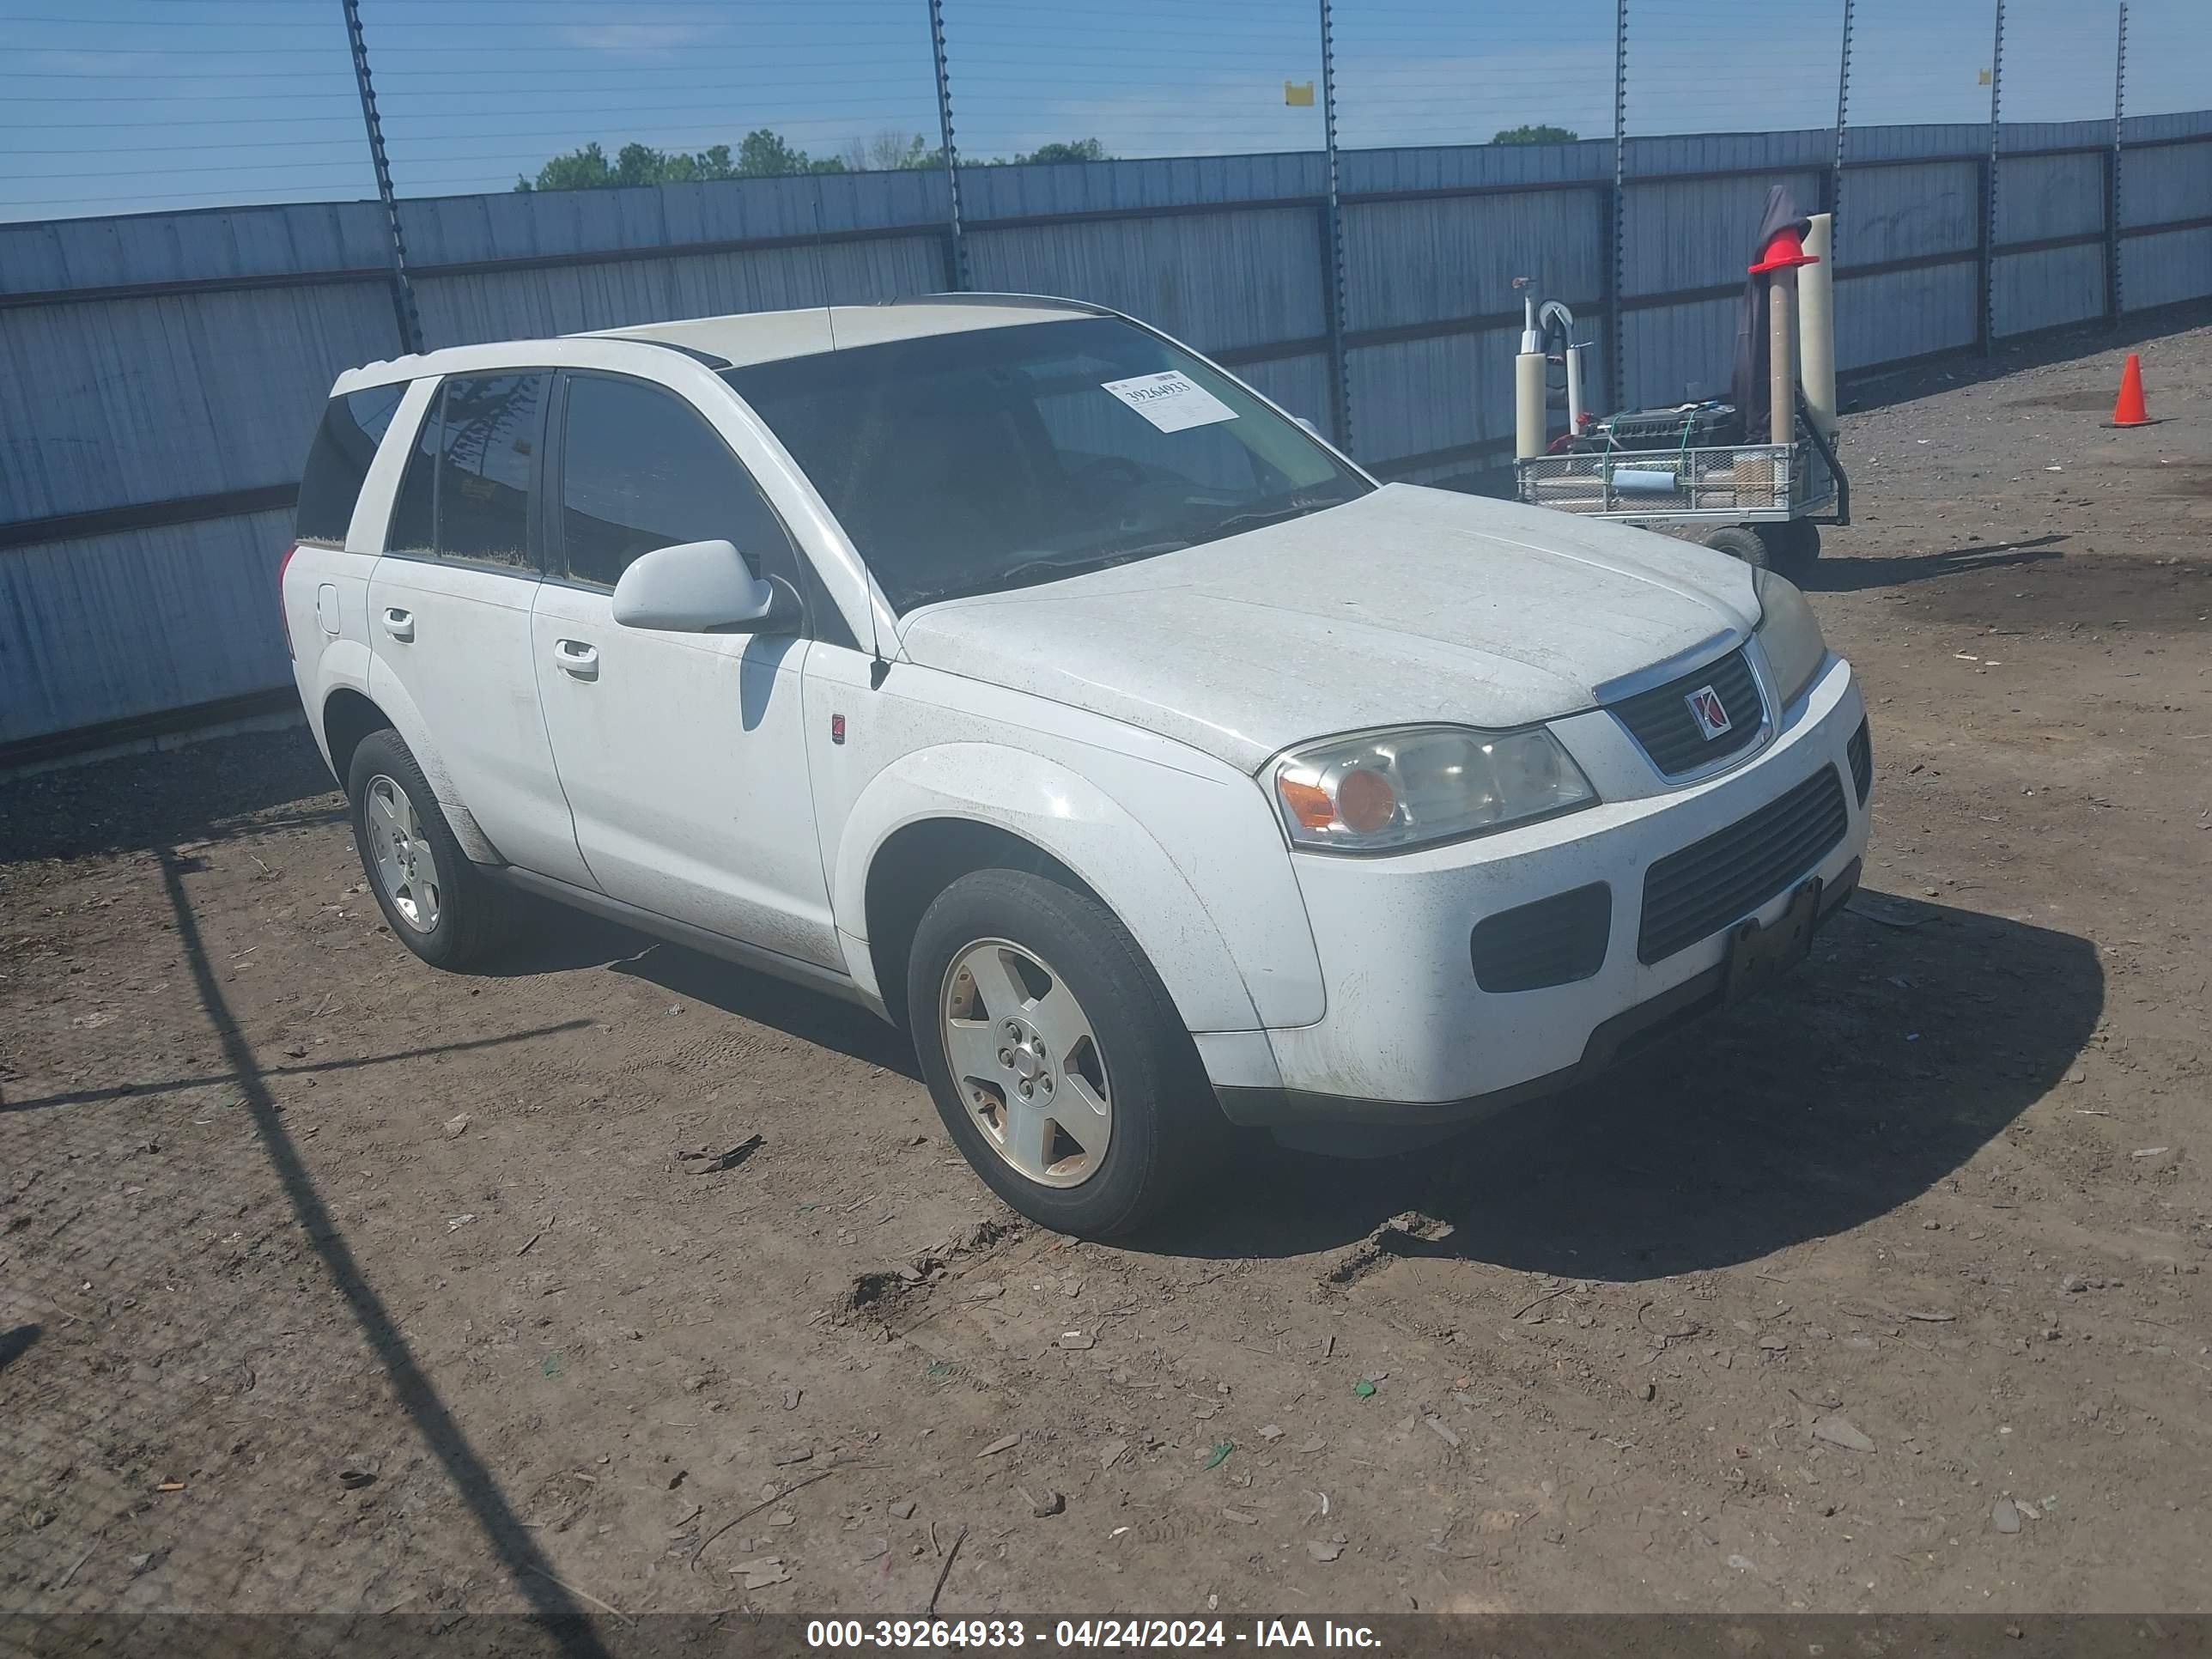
(570, 299)
(115, 401)
(1735, 152)
(521, 225)
(1675, 353)
(1908, 212)
(2166, 270)
(2158, 186)
(1427, 395)
(1464, 167)
(1904, 313)
(1900, 144)
(169, 247)
(139, 622)
(2045, 290)
(1694, 232)
(2050, 196)
(1418, 262)
(1219, 280)
(1015, 192)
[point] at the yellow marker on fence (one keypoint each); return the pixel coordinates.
(1299, 94)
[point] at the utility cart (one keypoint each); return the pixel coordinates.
(1763, 503)
(1685, 465)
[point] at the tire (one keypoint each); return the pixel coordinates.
(433, 898)
(1739, 542)
(1000, 945)
(1791, 545)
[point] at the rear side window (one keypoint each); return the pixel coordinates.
(640, 469)
(337, 462)
(466, 495)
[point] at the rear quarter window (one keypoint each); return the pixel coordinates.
(337, 462)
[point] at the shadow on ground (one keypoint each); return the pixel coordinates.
(555, 939)
(210, 791)
(1878, 1070)
(1856, 575)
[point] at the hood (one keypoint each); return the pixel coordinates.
(1407, 605)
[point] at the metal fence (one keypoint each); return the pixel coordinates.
(165, 368)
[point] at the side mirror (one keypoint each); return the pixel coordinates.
(1312, 431)
(701, 588)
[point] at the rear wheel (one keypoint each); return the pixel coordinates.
(432, 898)
(1791, 545)
(1056, 1060)
(1740, 542)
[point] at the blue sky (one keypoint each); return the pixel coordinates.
(122, 105)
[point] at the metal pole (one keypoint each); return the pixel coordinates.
(2113, 297)
(1340, 372)
(403, 292)
(1989, 187)
(1617, 366)
(960, 274)
(1843, 110)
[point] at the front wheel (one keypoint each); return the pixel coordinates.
(1056, 1060)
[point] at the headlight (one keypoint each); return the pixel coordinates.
(1385, 791)
(1787, 634)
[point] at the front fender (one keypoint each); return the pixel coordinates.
(1055, 808)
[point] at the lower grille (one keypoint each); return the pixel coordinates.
(1862, 756)
(1693, 894)
(1554, 941)
(1660, 720)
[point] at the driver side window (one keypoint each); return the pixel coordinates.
(640, 469)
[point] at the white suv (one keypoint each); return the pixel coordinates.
(1008, 668)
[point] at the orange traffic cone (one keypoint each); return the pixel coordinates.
(2129, 409)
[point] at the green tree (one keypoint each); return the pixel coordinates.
(1083, 149)
(766, 154)
(1526, 134)
(761, 154)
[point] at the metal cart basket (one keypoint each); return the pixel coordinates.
(1759, 501)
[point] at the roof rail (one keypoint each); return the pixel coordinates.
(696, 356)
(1033, 301)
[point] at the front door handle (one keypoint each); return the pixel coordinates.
(576, 658)
(400, 624)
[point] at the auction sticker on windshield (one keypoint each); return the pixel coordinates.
(1170, 400)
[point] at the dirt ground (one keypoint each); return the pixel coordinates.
(330, 1282)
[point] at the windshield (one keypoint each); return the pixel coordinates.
(974, 462)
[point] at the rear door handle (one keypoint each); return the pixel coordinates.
(576, 658)
(400, 624)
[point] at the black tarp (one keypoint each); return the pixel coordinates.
(1753, 356)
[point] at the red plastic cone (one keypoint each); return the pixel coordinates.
(1784, 249)
(2129, 409)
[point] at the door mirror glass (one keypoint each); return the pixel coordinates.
(701, 588)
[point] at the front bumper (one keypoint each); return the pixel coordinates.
(1409, 1038)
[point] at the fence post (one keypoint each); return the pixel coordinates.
(1617, 359)
(958, 242)
(1843, 110)
(1340, 370)
(1989, 329)
(2112, 166)
(403, 291)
